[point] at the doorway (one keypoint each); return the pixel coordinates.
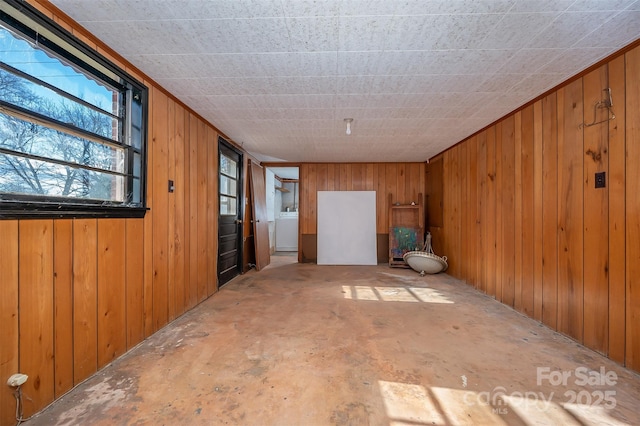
(230, 212)
(283, 201)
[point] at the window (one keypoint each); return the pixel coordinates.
(228, 185)
(72, 125)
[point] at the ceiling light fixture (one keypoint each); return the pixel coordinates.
(348, 121)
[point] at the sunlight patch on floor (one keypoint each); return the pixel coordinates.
(461, 407)
(542, 411)
(593, 414)
(394, 294)
(411, 404)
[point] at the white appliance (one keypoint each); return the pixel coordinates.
(287, 231)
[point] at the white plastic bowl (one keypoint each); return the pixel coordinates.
(425, 262)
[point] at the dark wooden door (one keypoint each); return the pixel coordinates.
(230, 213)
(260, 219)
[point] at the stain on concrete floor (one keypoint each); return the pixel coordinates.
(301, 344)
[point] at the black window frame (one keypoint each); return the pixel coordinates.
(23, 206)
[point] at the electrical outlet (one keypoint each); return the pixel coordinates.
(17, 379)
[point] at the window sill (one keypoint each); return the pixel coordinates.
(26, 210)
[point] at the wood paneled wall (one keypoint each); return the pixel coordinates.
(78, 293)
(405, 181)
(524, 223)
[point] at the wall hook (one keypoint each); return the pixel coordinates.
(607, 103)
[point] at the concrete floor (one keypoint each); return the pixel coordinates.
(301, 344)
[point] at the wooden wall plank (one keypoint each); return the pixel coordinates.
(442, 239)
(550, 211)
(570, 211)
(415, 181)
(435, 206)
(483, 179)
(349, 177)
(517, 294)
(9, 339)
(358, 176)
(408, 184)
(595, 158)
(322, 177)
(202, 245)
(181, 177)
(85, 298)
(490, 216)
(193, 211)
(134, 275)
(449, 162)
(201, 212)
(35, 260)
(617, 226)
(632, 129)
(331, 177)
(508, 211)
(473, 217)
(303, 215)
(159, 146)
(466, 234)
(391, 178)
(342, 174)
(499, 230)
(212, 211)
(529, 189)
(538, 210)
(479, 158)
(187, 210)
(340, 177)
(63, 303)
(148, 234)
(112, 336)
(171, 210)
(401, 183)
(345, 177)
(311, 183)
(458, 186)
(369, 184)
(423, 187)
(382, 199)
(460, 193)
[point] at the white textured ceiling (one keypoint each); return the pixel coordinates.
(416, 76)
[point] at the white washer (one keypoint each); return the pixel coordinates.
(287, 231)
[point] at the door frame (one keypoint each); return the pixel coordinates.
(271, 165)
